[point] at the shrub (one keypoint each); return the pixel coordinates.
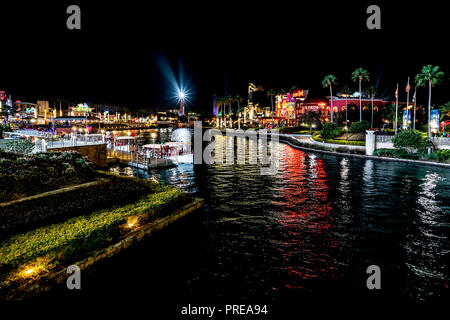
(409, 141)
(56, 206)
(385, 152)
(442, 155)
(24, 175)
(360, 126)
(330, 130)
(17, 146)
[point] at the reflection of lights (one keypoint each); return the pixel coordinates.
(153, 135)
(181, 135)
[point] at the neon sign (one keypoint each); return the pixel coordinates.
(30, 110)
(299, 94)
(82, 107)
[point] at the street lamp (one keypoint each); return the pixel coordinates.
(182, 96)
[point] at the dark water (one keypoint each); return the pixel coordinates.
(306, 234)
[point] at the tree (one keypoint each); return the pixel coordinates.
(445, 110)
(390, 113)
(330, 130)
(430, 76)
(360, 75)
(218, 103)
(239, 100)
(346, 91)
(360, 126)
(410, 141)
(372, 91)
(271, 93)
(229, 99)
(329, 81)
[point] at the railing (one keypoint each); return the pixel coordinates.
(42, 143)
(383, 138)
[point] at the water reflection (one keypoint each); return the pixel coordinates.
(427, 242)
(313, 227)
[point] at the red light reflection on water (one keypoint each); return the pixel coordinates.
(305, 220)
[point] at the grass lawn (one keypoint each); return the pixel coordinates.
(33, 253)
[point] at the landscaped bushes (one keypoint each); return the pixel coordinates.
(360, 126)
(440, 155)
(17, 146)
(59, 205)
(409, 141)
(395, 153)
(330, 130)
(63, 242)
(25, 175)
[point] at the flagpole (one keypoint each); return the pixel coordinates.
(415, 102)
(407, 103)
(396, 109)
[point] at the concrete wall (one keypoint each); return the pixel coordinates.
(96, 153)
(386, 142)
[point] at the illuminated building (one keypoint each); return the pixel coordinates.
(317, 106)
(82, 109)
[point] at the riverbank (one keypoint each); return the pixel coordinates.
(351, 151)
(138, 232)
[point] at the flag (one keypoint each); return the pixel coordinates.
(396, 93)
(408, 87)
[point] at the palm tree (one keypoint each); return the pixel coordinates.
(271, 93)
(329, 81)
(432, 76)
(391, 111)
(228, 100)
(237, 98)
(372, 91)
(360, 75)
(218, 103)
(293, 88)
(346, 91)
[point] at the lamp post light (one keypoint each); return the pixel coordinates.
(182, 96)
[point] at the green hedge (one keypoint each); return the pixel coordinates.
(344, 142)
(360, 126)
(55, 206)
(65, 241)
(17, 146)
(330, 130)
(25, 175)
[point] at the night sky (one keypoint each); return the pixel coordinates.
(115, 57)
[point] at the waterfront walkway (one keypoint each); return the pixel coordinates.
(307, 139)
